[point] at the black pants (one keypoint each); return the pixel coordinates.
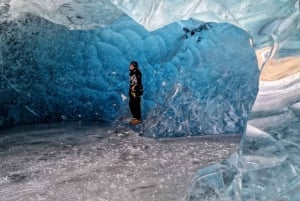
(135, 107)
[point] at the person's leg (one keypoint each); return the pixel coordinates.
(138, 108)
(135, 105)
(131, 106)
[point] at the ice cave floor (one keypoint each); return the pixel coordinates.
(95, 162)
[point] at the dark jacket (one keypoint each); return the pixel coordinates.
(136, 87)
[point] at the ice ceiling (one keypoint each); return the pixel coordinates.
(68, 60)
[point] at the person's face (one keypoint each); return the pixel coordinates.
(131, 67)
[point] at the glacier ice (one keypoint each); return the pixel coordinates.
(267, 164)
(77, 14)
(83, 75)
(46, 80)
(266, 169)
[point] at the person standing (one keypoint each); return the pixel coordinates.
(135, 93)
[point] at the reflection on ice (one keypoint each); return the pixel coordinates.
(92, 162)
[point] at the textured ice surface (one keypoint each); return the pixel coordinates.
(77, 14)
(267, 165)
(267, 169)
(193, 75)
(280, 94)
(101, 163)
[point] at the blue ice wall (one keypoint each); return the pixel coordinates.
(199, 78)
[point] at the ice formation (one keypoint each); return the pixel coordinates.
(68, 59)
(192, 74)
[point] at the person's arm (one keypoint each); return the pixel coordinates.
(139, 81)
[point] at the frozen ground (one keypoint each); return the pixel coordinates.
(73, 161)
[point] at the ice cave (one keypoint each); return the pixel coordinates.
(210, 68)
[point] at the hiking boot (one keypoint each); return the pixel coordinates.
(135, 121)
